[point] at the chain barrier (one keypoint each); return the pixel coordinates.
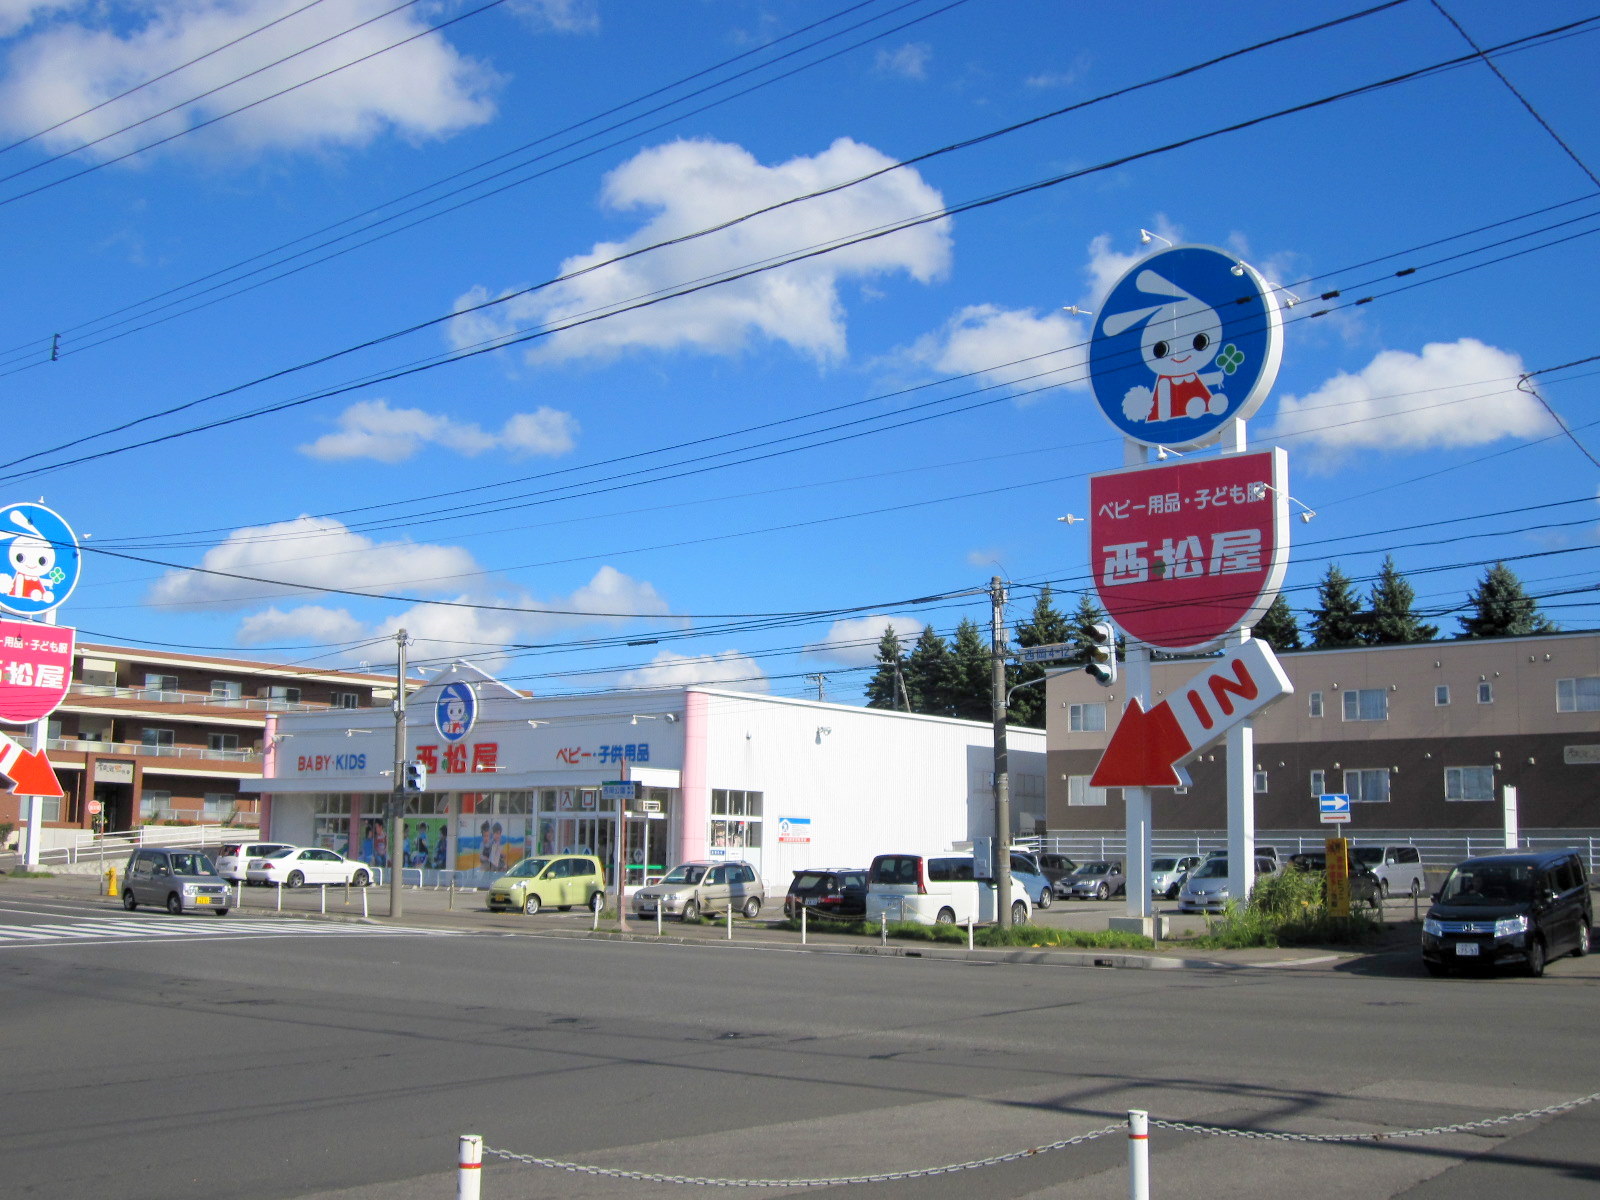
(1268, 1135)
(880, 1177)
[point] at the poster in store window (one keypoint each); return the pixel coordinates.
(490, 845)
(425, 843)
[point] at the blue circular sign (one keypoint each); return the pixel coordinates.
(41, 559)
(455, 712)
(1188, 340)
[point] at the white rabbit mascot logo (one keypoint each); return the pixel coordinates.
(1182, 336)
(33, 562)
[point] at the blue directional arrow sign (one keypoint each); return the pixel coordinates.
(1334, 807)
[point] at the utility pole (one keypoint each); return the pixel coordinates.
(822, 684)
(1002, 779)
(397, 798)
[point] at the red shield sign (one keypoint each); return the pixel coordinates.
(35, 669)
(1184, 553)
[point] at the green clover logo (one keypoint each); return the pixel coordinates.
(56, 576)
(1231, 359)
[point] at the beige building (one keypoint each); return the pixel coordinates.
(160, 737)
(1421, 737)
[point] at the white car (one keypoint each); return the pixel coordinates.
(236, 857)
(295, 866)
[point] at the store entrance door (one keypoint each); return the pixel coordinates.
(647, 849)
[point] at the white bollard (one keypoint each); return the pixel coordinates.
(730, 919)
(469, 1168)
(883, 928)
(324, 890)
(1138, 1154)
(594, 925)
(239, 903)
(280, 897)
(969, 931)
(802, 924)
(363, 904)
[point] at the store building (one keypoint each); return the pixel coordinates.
(159, 737)
(1423, 738)
(782, 783)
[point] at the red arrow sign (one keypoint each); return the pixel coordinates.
(1146, 747)
(29, 770)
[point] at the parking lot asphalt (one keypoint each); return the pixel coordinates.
(464, 911)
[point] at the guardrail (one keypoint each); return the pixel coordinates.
(164, 696)
(95, 746)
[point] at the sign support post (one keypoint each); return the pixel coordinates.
(1136, 800)
(1241, 750)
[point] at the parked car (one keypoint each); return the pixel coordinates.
(300, 865)
(1206, 888)
(940, 889)
(236, 856)
(1364, 885)
(1025, 869)
(558, 880)
(1167, 874)
(831, 891)
(692, 888)
(179, 880)
(1516, 909)
(1398, 868)
(1056, 867)
(1096, 881)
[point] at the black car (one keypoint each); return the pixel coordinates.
(1055, 868)
(1510, 909)
(1365, 887)
(830, 891)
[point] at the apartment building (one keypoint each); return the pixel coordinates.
(1422, 737)
(160, 737)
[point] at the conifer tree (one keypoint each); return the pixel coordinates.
(930, 675)
(1278, 626)
(1390, 620)
(1501, 608)
(972, 673)
(884, 689)
(1336, 621)
(1044, 627)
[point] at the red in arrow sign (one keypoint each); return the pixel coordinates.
(29, 770)
(1146, 747)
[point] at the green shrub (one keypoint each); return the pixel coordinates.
(1289, 909)
(987, 935)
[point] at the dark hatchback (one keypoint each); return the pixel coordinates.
(1510, 910)
(832, 892)
(1364, 885)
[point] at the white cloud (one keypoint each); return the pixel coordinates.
(854, 642)
(423, 89)
(371, 429)
(1106, 266)
(728, 669)
(1453, 394)
(909, 61)
(1015, 346)
(314, 551)
(309, 623)
(560, 16)
(690, 185)
(18, 14)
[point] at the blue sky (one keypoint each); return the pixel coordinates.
(396, 342)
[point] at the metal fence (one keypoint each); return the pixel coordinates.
(115, 847)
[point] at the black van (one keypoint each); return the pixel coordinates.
(1519, 909)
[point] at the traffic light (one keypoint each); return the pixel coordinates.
(1100, 646)
(415, 778)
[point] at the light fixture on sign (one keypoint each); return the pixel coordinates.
(1146, 237)
(1071, 520)
(1259, 490)
(1076, 311)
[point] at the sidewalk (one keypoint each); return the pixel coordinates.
(464, 911)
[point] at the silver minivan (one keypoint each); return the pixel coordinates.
(178, 880)
(1398, 868)
(693, 888)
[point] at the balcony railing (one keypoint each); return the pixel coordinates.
(163, 696)
(91, 746)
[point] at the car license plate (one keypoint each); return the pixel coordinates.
(202, 899)
(1467, 949)
(813, 901)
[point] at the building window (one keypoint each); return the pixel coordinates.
(347, 700)
(219, 806)
(223, 741)
(1319, 783)
(155, 739)
(1485, 692)
(153, 805)
(1314, 699)
(160, 683)
(1366, 704)
(1261, 783)
(1080, 794)
(1441, 695)
(1469, 783)
(226, 689)
(1578, 695)
(289, 695)
(1367, 786)
(735, 819)
(1086, 718)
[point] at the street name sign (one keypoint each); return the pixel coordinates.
(1054, 652)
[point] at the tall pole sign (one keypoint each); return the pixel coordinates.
(39, 571)
(1186, 555)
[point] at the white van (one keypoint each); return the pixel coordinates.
(935, 889)
(1398, 868)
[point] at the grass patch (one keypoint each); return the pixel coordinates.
(1038, 936)
(1287, 910)
(24, 873)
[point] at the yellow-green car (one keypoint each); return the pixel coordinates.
(555, 880)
